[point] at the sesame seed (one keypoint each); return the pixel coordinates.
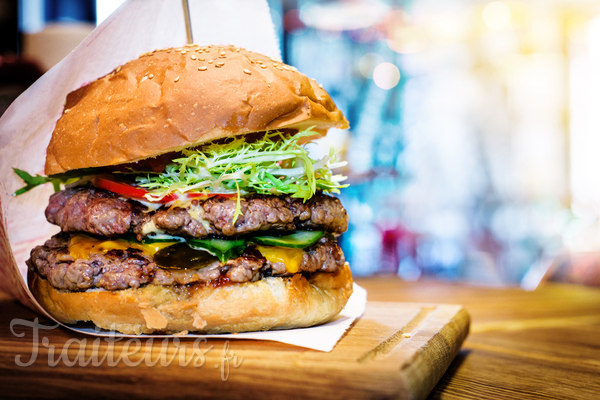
(273, 59)
(193, 56)
(118, 69)
(259, 62)
(210, 46)
(287, 68)
(178, 49)
(201, 58)
(67, 110)
(223, 54)
(247, 71)
(263, 66)
(294, 68)
(151, 76)
(321, 86)
(168, 51)
(202, 68)
(183, 52)
(210, 61)
(219, 64)
(177, 79)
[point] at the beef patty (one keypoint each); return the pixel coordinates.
(104, 213)
(131, 268)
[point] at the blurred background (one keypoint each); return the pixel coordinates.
(474, 149)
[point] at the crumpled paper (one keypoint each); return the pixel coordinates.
(138, 26)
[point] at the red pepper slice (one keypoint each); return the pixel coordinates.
(120, 188)
(139, 193)
(209, 195)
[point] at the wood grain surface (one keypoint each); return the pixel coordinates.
(543, 344)
(396, 350)
(522, 345)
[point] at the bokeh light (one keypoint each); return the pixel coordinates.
(496, 15)
(386, 75)
(367, 64)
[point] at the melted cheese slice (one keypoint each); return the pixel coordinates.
(82, 246)
(291, 258)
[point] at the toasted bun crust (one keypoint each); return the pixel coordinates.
(271, 303)
(171, 99)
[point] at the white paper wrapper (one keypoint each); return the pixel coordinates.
(138, 26)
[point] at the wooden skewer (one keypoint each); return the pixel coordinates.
(188, 21)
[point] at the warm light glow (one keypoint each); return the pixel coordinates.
(496, 15)
(386, 75)
(407, 40)
(584, 82)
(367, 64)
(594, 40)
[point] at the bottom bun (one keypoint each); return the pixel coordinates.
(271, 303)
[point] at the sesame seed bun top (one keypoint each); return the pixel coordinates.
(172, 99)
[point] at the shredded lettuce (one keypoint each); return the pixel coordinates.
(275, 164)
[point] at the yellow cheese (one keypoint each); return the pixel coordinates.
(292, 258)
(81, 246)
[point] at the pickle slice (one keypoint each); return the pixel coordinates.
(162, 239)
(297, 240)
(220, 248)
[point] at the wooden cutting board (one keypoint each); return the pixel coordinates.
(395, 350)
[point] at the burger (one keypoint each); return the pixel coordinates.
(188, 201)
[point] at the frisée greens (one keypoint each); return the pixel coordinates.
(274, 164)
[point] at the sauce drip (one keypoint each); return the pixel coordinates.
(222, 280)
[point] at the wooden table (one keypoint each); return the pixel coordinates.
(522, 345)
(541, 344)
